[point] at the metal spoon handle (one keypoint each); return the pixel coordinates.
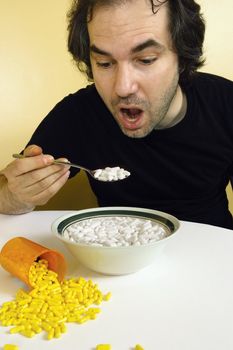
(71, 164)
(21, 156)
(18, 156)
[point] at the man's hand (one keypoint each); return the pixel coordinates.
(30, 181)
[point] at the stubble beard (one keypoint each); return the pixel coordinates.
(155, 117)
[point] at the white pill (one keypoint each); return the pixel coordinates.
(97, 173)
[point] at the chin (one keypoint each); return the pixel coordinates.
(136, 134)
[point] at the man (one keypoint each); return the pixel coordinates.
(148, 111)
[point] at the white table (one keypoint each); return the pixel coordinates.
(184, 301)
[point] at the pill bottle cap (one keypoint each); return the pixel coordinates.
(19, 253)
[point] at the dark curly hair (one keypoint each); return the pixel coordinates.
(186, 25)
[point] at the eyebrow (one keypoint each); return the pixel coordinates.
(146, 44)
(138, 48)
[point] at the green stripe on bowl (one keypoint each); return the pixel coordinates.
(169, 225)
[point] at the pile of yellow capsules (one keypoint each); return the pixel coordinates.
(51, 304)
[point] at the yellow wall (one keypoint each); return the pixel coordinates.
(36, 72)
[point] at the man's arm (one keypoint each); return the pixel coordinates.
(8, 203)
(31, 181)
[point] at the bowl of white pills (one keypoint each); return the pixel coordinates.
(115, 240)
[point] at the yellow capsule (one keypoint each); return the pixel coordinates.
(55, 303)
(57, 313)
(68, 295)
(95, 310)
(85, 294)
(43, 316)
(32, 317)
(107, 296)
(34, 323)
(103, 347)
(55, 289)
(57, 332)
(139, 347)
(62, 320)
(63, 328)
(87, 303)
(37, 329)
(46, 326)
(71, 319)
(84, 319)
(16, 329)
(22, 307)
(6, 323)
(28, 333)
(30, 310)
(24, 302)
(96, 295)
(80, 297)
(43, 287)
(81, 280)
(93, 317)
(7, 303)
(28, 327)
(44, 308)
(50, 334)
(70, 305)
(52, 320)
(10, 347)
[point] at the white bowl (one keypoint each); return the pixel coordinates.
(116, 260)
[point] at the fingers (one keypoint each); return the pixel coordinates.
(28, 164)
(35, 179)
(47, 193)
(40, 192)
(40, 179)
(32, 150)
(38, 186)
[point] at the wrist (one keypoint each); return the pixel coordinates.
(9, 203)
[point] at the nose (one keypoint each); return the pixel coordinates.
(125, 81)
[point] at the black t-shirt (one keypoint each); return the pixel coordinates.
(182, 170)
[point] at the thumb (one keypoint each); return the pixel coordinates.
(32, 150)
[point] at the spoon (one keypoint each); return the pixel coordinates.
(107, 174)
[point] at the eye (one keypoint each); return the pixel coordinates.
(147, 61)
(104, 65)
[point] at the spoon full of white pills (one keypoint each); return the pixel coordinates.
(107, 174)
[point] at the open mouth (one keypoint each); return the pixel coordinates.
(131, 118)
(131, 113)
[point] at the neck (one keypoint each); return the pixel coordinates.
(177, 110)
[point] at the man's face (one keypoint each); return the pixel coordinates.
(134, 68)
